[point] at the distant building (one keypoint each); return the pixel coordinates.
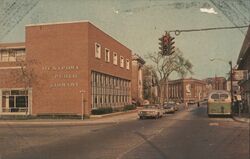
(186, 90)
(137, 78)
(244, 64)
(216, 83)
(76, 64)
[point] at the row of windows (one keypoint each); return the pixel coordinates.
(12, 55)
(100, 79)
(109, 90)
(107, 57)
(109, 100)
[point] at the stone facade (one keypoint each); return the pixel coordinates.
(186, 90)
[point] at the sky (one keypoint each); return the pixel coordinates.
(138, 25)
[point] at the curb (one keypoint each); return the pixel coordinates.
(92, 120)
(242, 120)
(112, 114)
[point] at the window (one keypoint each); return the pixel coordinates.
(20, 55)
(115, 58)
(127, 64)
(121, 61)
(97, 50)
(4, 56)
(224, 96)
(15, 100)
(215, 96)
(107, 55)
(12, 55)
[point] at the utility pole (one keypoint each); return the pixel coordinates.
(231, 81)
(82, 103)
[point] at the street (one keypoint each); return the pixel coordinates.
(187, 134)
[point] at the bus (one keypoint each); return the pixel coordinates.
(219, 103)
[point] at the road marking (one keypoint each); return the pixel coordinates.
(213, 124)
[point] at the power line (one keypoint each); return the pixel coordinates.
(178, 32)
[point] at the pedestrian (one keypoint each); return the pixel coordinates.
(186, 105)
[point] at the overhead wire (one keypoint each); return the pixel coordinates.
(178, 32)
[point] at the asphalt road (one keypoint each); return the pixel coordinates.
(188, 134)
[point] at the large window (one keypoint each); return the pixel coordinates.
(12, 55)
(109, 91)
(97, 50)
(14, 100)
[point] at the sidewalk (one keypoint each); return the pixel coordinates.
(245, 118)
(94, 119)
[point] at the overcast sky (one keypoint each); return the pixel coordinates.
(138, 24)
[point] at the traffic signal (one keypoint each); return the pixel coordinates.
(171, 45)
(161, 45)
(166, 45)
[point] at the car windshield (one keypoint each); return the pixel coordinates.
(223, 96)
(215, 96)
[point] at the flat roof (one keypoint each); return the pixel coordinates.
(54, 23)
(12, 45)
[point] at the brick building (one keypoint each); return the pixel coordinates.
(137, 78)
(61, 64)
(186, 90)
(216, 83)
(244, 64)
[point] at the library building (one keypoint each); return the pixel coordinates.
(64, 68)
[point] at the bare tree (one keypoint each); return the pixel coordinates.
(164, 66)
(149, 83)
(26, 77)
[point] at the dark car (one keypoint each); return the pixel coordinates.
(169, 107)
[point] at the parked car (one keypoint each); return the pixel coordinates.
(170, 107)
(153, 111)
(191, 102)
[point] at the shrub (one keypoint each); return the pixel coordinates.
(100, 111)
(129, 107)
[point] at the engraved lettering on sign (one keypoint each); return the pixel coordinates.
(63, 84)
(59, 68)
(65, 76)
(63, 73)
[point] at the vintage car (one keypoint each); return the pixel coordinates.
(170, 107)
(153, 111)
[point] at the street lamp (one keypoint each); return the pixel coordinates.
(82, 102)
(231, 74)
